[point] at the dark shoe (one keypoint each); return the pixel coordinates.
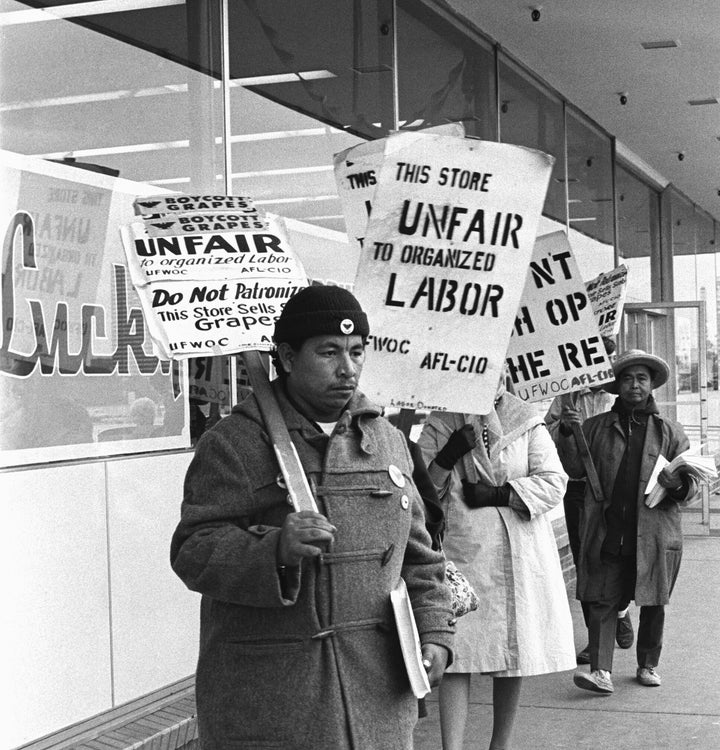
(624, 633)
(598, 681)
(648, 676)
(583, 656)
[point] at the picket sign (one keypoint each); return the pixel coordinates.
(405, 421)
(296, 482)
(584, 450)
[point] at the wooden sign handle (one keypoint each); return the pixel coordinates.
(569, 399)
(590, 470)
(298, 488)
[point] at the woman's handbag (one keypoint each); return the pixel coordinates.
(464, 598)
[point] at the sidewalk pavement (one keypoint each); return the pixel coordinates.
(682, 714)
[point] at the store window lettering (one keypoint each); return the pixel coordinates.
(62, 228)
(51, 280)
(52, 342)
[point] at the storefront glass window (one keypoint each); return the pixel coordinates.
(531, 116)
(307, 80)
(443, 75)
(683, 232)
(706, 260)
(590, 180)
(111, 104)
(638, 232)
(683, 223)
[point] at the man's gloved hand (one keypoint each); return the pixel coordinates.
(459, 443)
(478, 495)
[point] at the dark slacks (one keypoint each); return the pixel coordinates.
(573, 502)
(619, 587)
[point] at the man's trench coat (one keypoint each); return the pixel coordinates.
(316, 663)
(659, 532)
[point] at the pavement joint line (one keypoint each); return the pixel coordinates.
(611, 710)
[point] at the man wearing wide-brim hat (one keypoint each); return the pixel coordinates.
(628, 550)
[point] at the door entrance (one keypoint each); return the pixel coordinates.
(676, 331)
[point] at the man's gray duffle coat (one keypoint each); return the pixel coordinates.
(314, 661)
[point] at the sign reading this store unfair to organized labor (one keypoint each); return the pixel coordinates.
(211, 281)
(451, 231)
(356, 173)
(556, 345)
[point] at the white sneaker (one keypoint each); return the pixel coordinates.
(648, 676)
(598, 681)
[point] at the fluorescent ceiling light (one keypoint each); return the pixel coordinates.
(266, 173)
(143, 147)
(278, 134)
(171, 88)
(100, 96)
(137, 148)
(323, 217)
(169, 181)
(78, 10)
(277, 172)
(585, 218)
(266, 202)
(305, 75)
(299, 199)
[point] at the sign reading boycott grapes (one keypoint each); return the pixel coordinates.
(208, 284)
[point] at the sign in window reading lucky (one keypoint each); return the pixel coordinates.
(444, 258)
(218, 288)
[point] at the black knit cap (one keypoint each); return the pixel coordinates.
(319, 310)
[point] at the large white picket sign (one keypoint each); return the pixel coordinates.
(212, 292)
(556, 345)
(449, 239)
(356, 173)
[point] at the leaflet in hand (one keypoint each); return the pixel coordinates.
(409, 640)
(702, 467)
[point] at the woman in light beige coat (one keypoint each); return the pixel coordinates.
(496, 496)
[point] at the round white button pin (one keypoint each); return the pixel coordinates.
(396, 475)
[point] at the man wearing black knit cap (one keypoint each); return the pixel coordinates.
(297, 643)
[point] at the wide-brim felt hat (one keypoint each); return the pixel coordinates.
(659, 371)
